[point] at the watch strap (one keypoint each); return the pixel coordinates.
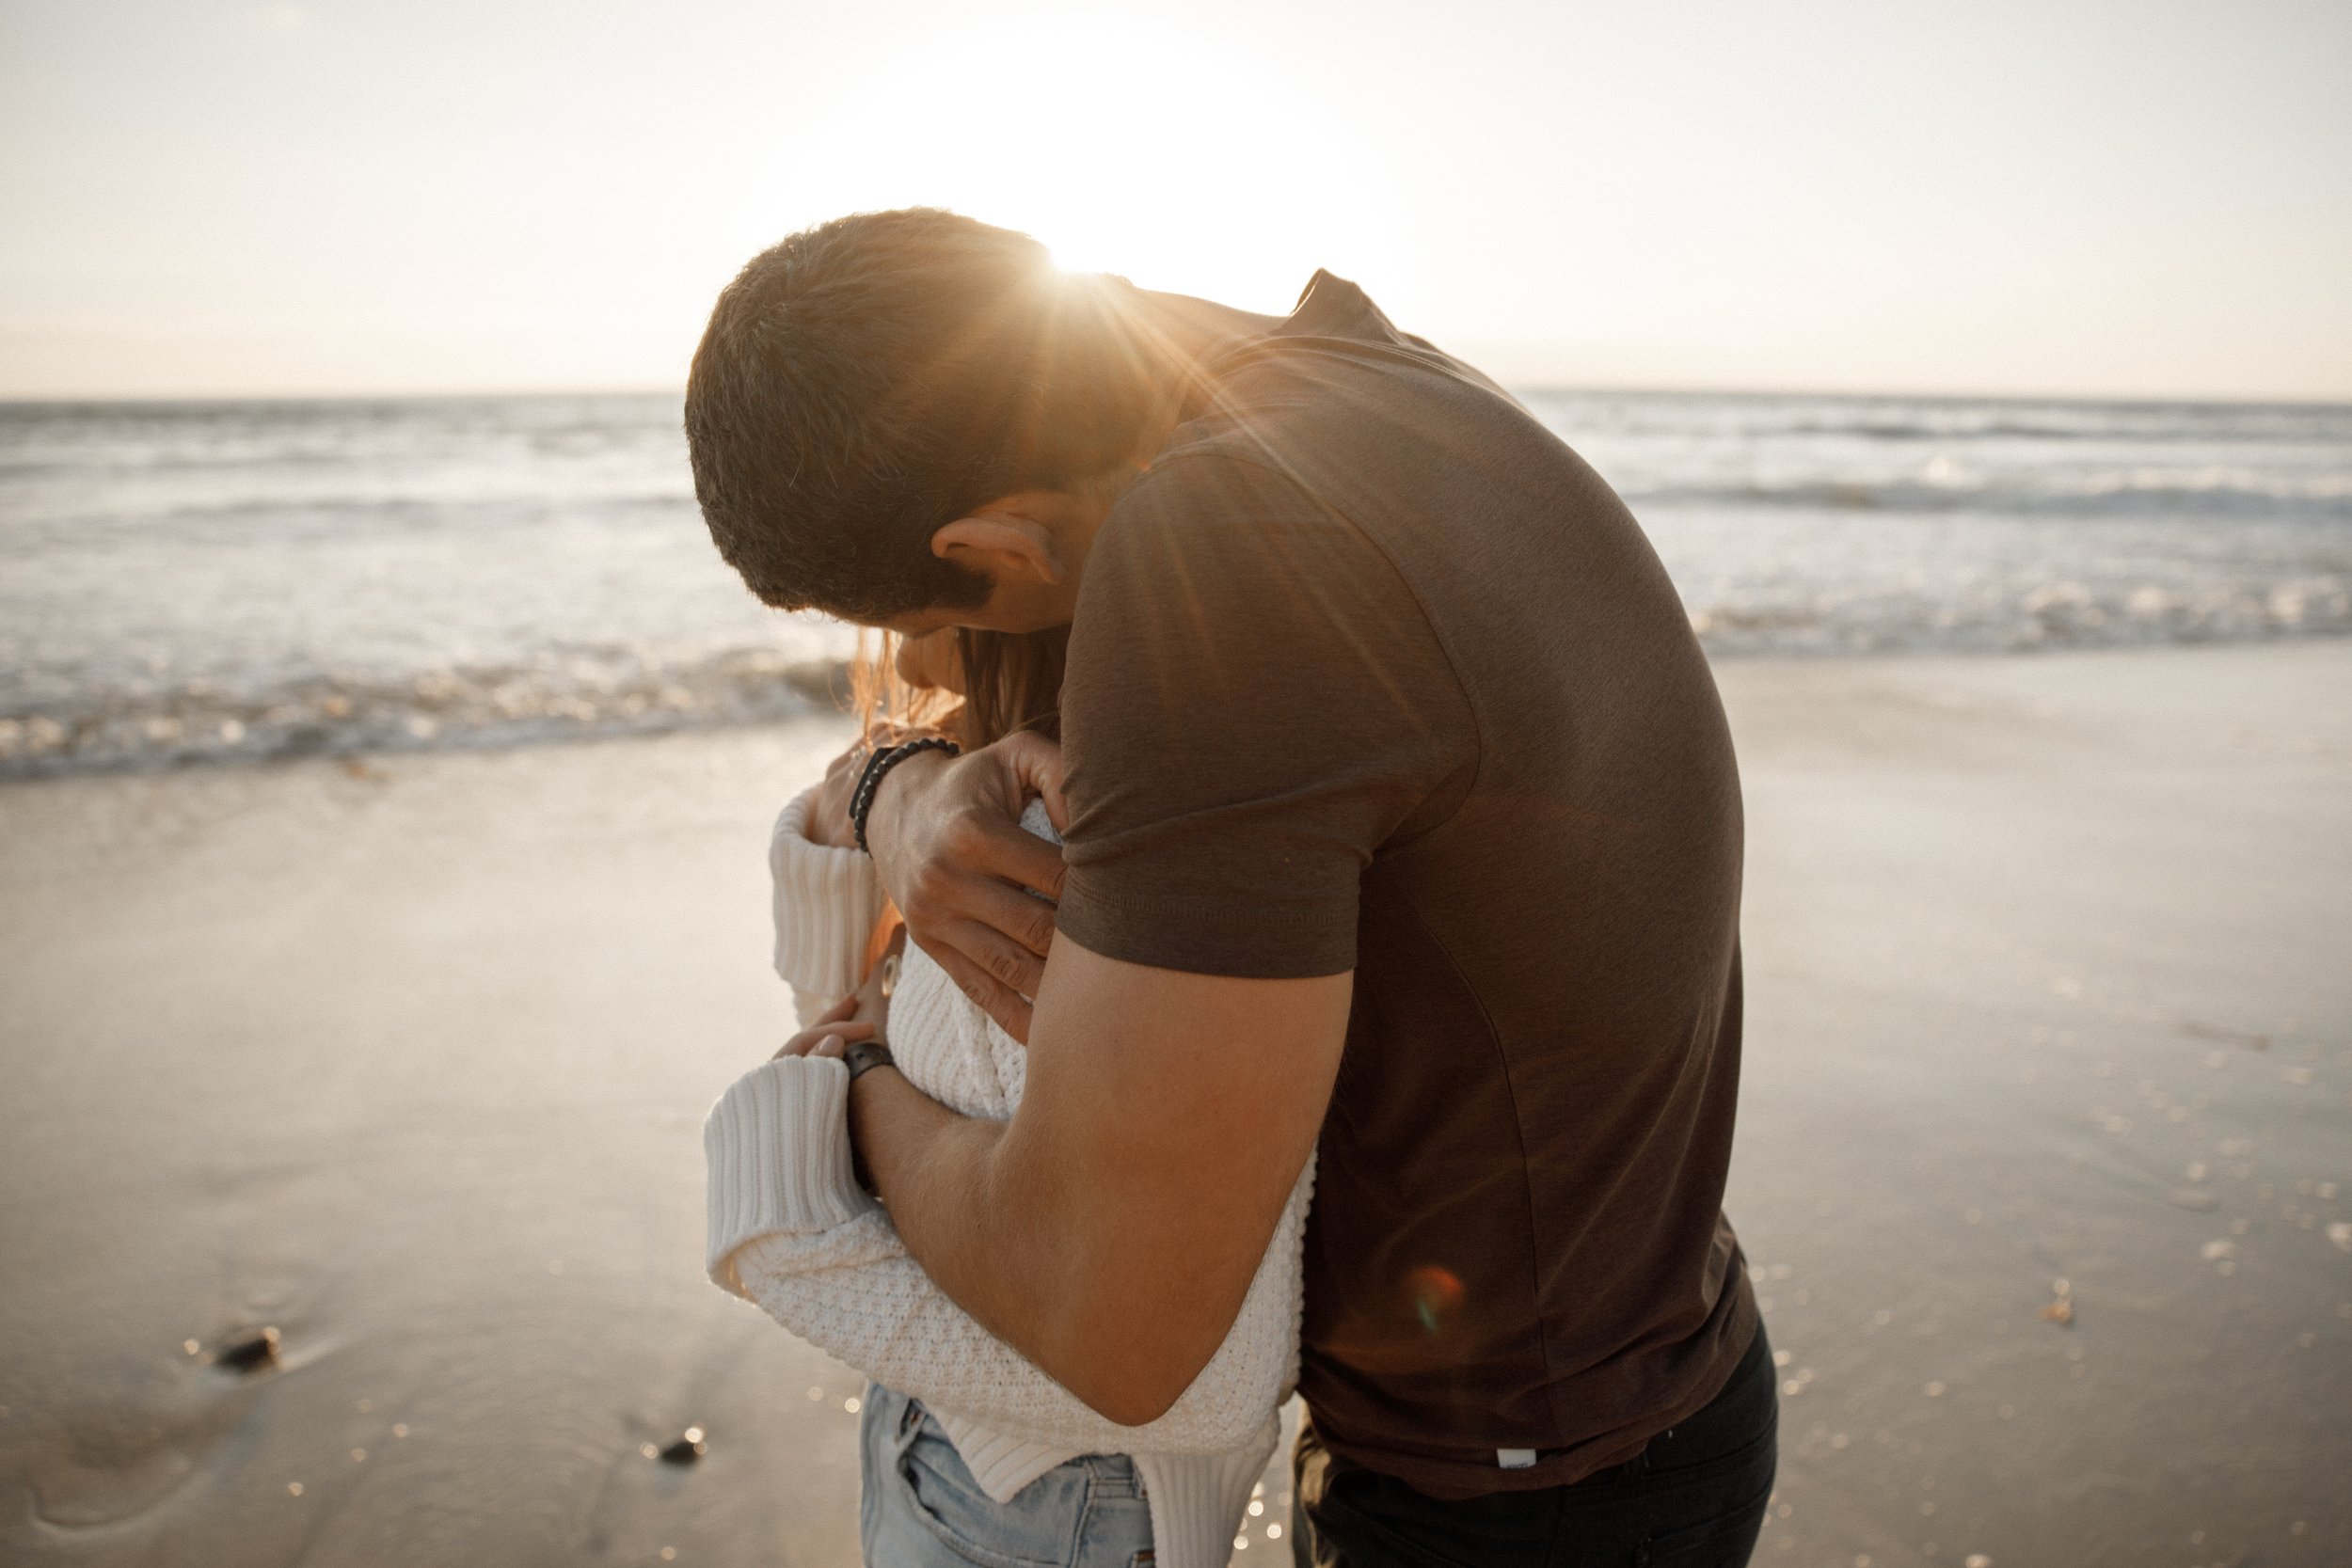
(865, 1056)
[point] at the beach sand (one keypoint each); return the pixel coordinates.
(2049, 981)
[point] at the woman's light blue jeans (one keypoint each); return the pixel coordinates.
(922, 1509)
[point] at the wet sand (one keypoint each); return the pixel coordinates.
(2048, 980)
(2050, 974)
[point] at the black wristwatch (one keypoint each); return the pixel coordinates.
(865, 1056)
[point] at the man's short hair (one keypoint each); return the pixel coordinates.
(874, 378)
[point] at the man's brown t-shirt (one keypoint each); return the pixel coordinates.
(1370, 672)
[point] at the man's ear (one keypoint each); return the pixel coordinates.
(1003, 545)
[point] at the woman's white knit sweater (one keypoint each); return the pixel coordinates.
(791, 1231)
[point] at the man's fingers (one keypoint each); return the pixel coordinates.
(955, 860)
(1012, 1013)
(1003, 960)
(994, 998)
(1013, 854)
(1037, 764)
(832, 1045)
(1025, 920)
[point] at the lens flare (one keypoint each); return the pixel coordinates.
(1436, 1293)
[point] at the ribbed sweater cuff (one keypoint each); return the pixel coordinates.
(1198, 1502)
(827, 902)
(778, 1146)
(1000, 1461)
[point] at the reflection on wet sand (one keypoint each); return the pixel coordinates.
(2044, 1128)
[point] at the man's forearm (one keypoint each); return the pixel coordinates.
(1009, 1242)
(1110, 1230)
(936, 1171)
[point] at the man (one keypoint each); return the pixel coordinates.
(1402, 824)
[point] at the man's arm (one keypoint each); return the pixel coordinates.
(1109, 1231)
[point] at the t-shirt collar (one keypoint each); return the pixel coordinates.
(1331, 307)
(1328, 306)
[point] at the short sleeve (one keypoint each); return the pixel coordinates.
(1255, 704)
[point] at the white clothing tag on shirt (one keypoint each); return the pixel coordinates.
(1515, 1459)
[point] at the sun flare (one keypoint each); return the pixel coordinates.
(1124, 149)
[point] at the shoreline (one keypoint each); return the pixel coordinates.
(748, 688)
(2044, 983)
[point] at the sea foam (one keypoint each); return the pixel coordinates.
(220, 581)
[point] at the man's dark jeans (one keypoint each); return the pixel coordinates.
(1695, 1498)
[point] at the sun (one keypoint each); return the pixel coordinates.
(1124, 148)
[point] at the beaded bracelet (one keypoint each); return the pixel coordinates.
(880, 764)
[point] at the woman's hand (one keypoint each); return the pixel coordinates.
(836, 1030)
(861, 1015)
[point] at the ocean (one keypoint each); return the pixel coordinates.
(222, 582)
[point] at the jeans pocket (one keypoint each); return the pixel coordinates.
(1036, 1528)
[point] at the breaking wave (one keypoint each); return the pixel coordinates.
(234, 582)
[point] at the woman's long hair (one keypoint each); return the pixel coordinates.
(1011, 682)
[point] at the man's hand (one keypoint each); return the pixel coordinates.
(948, 840)
(829, 813)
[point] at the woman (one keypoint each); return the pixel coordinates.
(970, 1453)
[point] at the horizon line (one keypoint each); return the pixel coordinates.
(1527, 388)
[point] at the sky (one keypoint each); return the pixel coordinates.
(2145, 199)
